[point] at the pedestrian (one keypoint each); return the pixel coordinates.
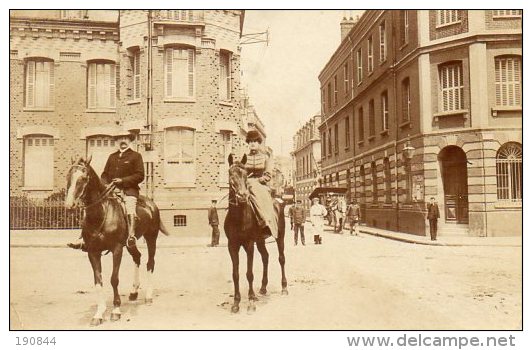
(353, 216)
(291, 216)
(213, 221)
(124, 169)
(341, 209)
(433, 213)
(300, 216)
(317, 215)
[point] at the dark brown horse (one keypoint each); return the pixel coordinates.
(104, 228)
(242, 230)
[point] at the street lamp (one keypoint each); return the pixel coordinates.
(408, 151)
(145, 138)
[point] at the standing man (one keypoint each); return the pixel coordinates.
(317, 213)
(124, 169)
(214, 222)
(333, 211)
(433, 213)
(299, 217)
(353, 216)
(341, 209)
(291, 215)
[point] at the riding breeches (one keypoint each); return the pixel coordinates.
(131, 204)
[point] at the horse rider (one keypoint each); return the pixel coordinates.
(124, 169)
(259, 168)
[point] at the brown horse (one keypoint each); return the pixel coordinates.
(242, 230)
(104, 228)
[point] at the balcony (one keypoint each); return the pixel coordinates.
(178, 16)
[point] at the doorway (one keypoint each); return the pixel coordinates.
(453, 165)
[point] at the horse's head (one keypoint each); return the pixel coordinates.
(78, 178)
(238, 177)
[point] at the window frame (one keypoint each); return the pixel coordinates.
(370, 54)
(359, 67)
(505, 87)
(443, 15)
(35, 84)
(33, 141)
(385, 111)
(190, 74)
(227, 55)
(496, 14)
(383, 49)
(454, 90)
(94, 101)
(509, 158)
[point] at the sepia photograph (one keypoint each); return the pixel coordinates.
(266, 170)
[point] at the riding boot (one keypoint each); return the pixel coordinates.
(79, 244)
(131, 240)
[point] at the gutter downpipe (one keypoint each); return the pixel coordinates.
(394, 62)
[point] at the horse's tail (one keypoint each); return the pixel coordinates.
(163, 228)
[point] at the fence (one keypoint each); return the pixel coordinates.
(27, 214)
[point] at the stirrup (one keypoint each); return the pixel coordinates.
(131, 241)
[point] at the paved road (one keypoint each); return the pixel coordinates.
(361, 282)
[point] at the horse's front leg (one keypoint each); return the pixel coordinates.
(282, 260)
(261, 247)
(249, 247)
(234, 248)
(117, 259)
(96, 263)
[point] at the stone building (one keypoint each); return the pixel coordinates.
(171, 76)
(427, 103)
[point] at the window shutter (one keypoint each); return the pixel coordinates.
(137, 75)
(92, 85)
(112, 85)
(191, 72)
(517, 80)
(30, 84)
(130, 75)
(168, 75)
(51, 82)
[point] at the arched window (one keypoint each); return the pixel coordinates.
(374, 182)
(387, 180)
(362, 184)
(510, 172)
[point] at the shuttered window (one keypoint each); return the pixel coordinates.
(451, 87)
(100, 147)
(508, 81)
(180, 154)
(39, 91)
(224, 81)
(406, 102)
(507, 13)
(39, 161)
(136, 75)
(179, 73)
(370, 54)
(445, 17)
(102, 85)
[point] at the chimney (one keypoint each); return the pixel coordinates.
(345, 26)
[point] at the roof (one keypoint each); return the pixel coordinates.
(323, 190)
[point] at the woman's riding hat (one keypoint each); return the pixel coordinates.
(253, 135)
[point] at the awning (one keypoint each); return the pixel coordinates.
(319, 191)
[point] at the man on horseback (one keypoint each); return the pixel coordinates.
(124, 169)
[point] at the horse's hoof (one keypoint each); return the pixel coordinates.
(133, 296)
(235, 309)
(149, 301)
(96, 322)
(115, 317)
(252, 308)
(263, 291)
(284, 292)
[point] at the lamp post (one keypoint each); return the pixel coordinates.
(408, 154)
(145, 138)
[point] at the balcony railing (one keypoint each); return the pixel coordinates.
(179, 16)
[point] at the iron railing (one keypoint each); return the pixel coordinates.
(30, 214)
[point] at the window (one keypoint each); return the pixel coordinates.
(371, 117)
(335, 90)
(39, 91)
(39, 161)
(451, 87)
(102, 85)
(225, 148)
(178, 15)
(323, 145)
(508, 81)
(346, 79)
(180, 220)
(73, 14)
(135, 75)
(179, 73)
(361, 124)
(322, 101)
(100, 147)
(330, 141)
(405, 91)
(387, 180)
(359, 66)
(362, 184)
(180, 156)
(408, 176)
(374, 182)
(446, 17)
(382, 42)
(336, 138)
(507, 13)
(224, 81)
(347, 133)
(370, 54)
(329, 95)
(404, 26)
(385, 111)
(510, 173)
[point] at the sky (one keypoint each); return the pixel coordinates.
(282, 77)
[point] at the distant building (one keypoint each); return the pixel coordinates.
(428, 103)
(306, 156)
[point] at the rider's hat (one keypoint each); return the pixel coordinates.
(124, 132)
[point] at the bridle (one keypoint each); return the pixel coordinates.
(234, 202)
(108, 189)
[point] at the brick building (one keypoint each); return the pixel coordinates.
(307, 158)
(172, 76)
(428, 103)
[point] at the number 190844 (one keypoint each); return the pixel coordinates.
(35, 341)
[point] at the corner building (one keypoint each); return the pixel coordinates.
(421, 104)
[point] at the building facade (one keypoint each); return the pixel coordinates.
(171, 76)
(420, 104)
(307, 157)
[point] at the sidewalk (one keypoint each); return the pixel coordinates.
(449, 241)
